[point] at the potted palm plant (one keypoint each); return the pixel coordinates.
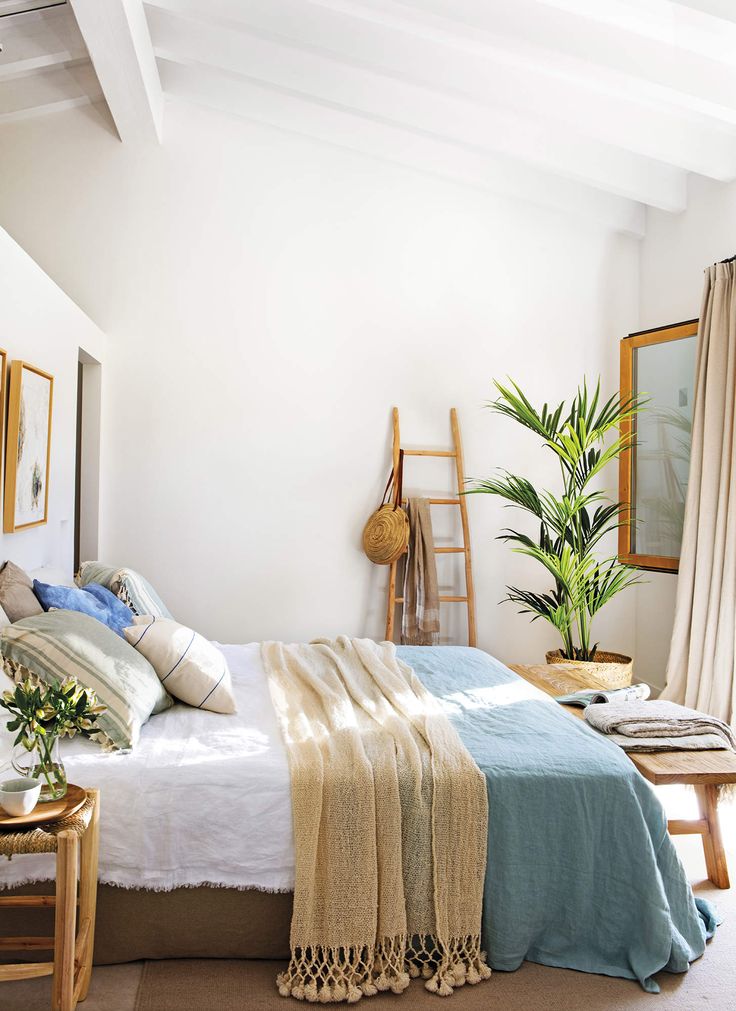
(572, 524)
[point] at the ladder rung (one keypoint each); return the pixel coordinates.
(443, 600)
(437, 501)
(430, 452)
(26, 943)
(679, 826)
(450, 551)
(26, 970)
(28, 900)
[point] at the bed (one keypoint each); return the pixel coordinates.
(197, 857)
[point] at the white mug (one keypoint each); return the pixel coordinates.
(19, 796)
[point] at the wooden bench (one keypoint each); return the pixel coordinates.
(704, 770)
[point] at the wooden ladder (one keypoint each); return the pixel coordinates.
(457, 454)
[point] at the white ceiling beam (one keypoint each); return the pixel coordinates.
(725, 9)
(48, 91)
(40, 40)
(202, 85)
(687, 26)
(684, 26)
(116, 34)
(579, 40)
(447, 117)
(596, 102)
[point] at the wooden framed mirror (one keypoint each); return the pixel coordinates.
(653, 474)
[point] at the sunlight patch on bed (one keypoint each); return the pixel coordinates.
(241, 743)
(491, 696)
(247, 743)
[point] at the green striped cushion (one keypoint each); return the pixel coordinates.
(96, 572)
(58, 644)
(128, 585)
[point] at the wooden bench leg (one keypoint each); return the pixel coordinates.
(88, 896)
(66, 921)
(715, 855)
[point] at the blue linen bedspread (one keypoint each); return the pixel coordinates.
(581, 871)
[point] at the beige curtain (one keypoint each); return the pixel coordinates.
(700, 670)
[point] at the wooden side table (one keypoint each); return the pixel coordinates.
(75, 840)
(704, 770)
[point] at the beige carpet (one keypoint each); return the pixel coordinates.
(710, 983)
(194, 983)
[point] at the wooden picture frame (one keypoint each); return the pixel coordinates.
(3, 397)
(28, 447)
(627, 461)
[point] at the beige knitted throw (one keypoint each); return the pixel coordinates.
(390, 826)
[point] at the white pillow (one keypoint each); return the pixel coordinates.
(188, 665)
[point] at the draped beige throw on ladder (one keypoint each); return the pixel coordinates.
(420, 622)
(390, 825)
(700, 670)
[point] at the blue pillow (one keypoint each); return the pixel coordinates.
(121, 615)
(93, 600)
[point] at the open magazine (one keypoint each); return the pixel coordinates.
(590, 696)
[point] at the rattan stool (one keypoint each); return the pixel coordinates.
(75, 840)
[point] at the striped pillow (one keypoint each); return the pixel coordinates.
(190, 667)
(130, 586)
(58, 644)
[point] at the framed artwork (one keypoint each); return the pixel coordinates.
(3, 394)
(653, 474)
(28, 448)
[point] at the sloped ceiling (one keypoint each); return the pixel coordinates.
(599, 107)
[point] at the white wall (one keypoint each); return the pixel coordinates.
(676, 250)
(268, 300)
(41, 325)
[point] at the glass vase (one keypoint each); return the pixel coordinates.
(43, 762)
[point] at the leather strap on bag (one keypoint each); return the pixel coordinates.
(398, 484)
(400, 481)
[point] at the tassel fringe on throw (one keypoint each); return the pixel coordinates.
(332, 975)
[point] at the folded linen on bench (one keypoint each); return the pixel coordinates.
(662, 721)
(390, 818)
(693, 742)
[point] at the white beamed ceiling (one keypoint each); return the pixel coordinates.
(595, 107)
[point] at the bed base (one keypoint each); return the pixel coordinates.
(137, 924)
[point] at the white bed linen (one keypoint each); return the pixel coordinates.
(203, 799)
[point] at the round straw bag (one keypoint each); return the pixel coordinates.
(386, 534)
